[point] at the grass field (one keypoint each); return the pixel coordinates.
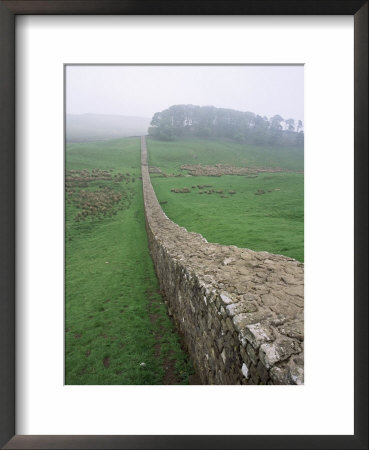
(116, 326)
(263, 212)
(171, 155)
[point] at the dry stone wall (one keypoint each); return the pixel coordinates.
(241, 312)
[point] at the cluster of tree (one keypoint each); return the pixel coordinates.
(208, 121)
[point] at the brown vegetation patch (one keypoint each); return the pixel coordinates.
(82, 178)
(96, 203)
(97, 200)
(153, 169)
(184, 190)
(106, 362)
(225, 169)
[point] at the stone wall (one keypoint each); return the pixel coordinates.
(241, 312)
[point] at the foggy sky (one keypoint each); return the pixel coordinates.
(143, 90)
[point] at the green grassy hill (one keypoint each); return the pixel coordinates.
(116, 326)
(264, 212)
(170, 155)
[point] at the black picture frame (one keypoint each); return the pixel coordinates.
(8, 11)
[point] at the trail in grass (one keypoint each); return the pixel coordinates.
(117, 327)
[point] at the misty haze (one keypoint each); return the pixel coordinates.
(138, 92)
(184, 224)
(91, 127)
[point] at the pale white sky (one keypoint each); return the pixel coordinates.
(143, 90)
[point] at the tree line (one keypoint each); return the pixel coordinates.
(211, 122)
